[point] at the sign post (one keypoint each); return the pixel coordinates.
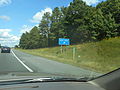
(61, 49)
(74, 53)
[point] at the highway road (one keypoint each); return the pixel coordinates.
(17, 61)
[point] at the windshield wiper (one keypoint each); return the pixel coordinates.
(58, 80)
(47, 79)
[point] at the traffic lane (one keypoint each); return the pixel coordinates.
(43, 65)
(8, 63)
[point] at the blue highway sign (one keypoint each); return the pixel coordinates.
(64, 41)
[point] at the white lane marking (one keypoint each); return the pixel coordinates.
(30, 70)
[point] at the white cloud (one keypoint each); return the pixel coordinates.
(25, 28)
(5, 30)
(6, 18)
(90, 2)
(38, 16)
(4, 2)
(6, 38)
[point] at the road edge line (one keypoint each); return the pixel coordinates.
(29, 69)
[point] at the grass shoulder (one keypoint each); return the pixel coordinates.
(103, 56)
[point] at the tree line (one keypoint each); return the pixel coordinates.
(78, 22)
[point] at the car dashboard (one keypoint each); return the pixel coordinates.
(53, 86)
(109, 81)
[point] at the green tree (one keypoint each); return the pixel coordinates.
(74, 20)
(113, 7)
(31, 40)
(44, 27)
(23, 41)
(16, 46)
(102, 26)
(35, 37)
(57, 28)
(78, 22)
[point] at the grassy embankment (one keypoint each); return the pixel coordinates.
(102, 56)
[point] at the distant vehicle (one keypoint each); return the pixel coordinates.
(5, 49)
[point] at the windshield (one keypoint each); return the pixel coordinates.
(69, 38)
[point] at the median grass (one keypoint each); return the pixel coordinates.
(103, 56)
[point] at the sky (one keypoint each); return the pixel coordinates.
(19, 16)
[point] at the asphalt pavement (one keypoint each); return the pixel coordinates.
(17, 61)
(8, 63)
